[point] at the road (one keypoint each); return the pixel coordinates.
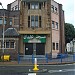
(65, 69)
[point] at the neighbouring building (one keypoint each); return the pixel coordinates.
(40, 26)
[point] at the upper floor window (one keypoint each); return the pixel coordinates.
(56, 25)
(53, 46)
(10, 21)
(52, 8)
(34, 21)
(56, 46)
(53, 26)
(12, 8)
(34, 6)
(56, 9)
(16, 7)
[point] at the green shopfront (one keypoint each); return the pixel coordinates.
(34, 44)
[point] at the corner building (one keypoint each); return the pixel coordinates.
(41, 27)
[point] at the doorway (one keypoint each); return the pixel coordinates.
(35, 48)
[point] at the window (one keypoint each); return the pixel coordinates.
(39, 21)
(9, 44)
(16, 7)
(56, 46)
(1, 21)
(39, 5)
(52, 8)
(56, 25)
(12, 8)
(28, 21)
(36, 21)
(32, 22)
(28, 5)
(53, 26)
(10, 21)
(53, 46)
(5, 21)
(56, 9)
(34, 6)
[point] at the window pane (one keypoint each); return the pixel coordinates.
(32, 18)
(36, 18)
(32, 24)
(28, 21)
(39, 5)
(36, 23)
(56, 46)
(28, 5)
(36, 6)
(32, 5)
(10, 21)
(40, 18)
(11, 44)
(55, 9)
(56, 25)
(7, 44)
(52, 8)
(53, 46)
(53, 26)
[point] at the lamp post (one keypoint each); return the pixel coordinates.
(3, 27)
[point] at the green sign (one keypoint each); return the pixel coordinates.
(34, 39)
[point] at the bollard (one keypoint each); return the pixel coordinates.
(35, 65)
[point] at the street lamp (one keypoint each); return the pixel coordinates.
(3, 27)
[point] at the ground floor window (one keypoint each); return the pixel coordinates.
(8, 44)
(55, 46)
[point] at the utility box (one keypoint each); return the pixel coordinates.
(5, 58)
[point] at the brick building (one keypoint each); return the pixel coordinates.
(40, 26)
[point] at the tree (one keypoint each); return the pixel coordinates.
(69, 32)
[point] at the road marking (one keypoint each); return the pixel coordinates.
(63, 70)
(31, 73)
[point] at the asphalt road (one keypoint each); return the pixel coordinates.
(66, 69)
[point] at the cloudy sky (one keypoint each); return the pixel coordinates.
(68, 7)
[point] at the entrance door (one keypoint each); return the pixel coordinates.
(34, 48)
(28, 49)
(40, 49)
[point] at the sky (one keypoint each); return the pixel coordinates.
(68, 7)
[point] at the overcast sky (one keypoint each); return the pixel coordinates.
(68, 7)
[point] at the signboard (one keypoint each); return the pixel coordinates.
(34, 39)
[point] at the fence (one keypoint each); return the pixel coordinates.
(30, 58)
(44, 59)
